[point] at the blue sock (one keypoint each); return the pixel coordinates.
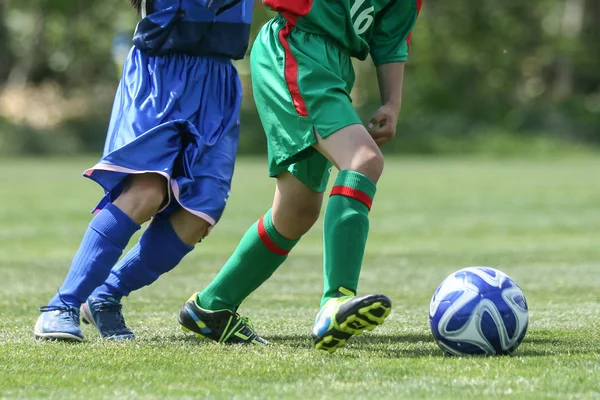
(158, 251)
(102, 245)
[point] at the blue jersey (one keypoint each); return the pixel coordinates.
(217, 28)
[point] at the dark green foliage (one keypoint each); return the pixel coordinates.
(528, 71)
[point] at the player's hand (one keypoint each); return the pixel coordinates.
(382, 126)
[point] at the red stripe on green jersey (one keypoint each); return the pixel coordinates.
(298, 8)
(267, 241)
(291, 71)
(353, 193)
(419, 4)
(378, 27)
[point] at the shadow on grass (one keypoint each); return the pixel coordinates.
(548, 342)
(299, 341)
(416, 345)
(386, 346)
(393, 339)
(421, 345)
(555, 347)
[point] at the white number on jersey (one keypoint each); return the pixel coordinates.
(364, 19)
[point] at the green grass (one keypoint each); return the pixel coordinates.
(539, 221)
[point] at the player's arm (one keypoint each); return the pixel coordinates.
(389, 50)
(383, 124)
(390, 77)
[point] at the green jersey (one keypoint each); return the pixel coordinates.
(379, 27)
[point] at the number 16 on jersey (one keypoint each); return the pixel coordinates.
(364, 19)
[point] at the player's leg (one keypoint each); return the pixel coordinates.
(199, 203)
(101, 246)
(346, 226)
(263, 248)
(197, 152)
(360, 162)
(161, 247)
(320, 84)
(166, 241)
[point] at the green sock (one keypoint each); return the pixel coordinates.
(346, 229)
(260, 252)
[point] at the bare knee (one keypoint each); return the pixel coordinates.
(142, 197)
(296, 207)
(368, 161)
(188, 227)
(306, 216)
(353, 148)
(295, 222)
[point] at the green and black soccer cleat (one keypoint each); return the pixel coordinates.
(348, 315)
(222, 326)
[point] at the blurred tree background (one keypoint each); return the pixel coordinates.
(491, 77)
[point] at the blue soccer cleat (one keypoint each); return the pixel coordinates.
(348, 315)
(106, 316)
(58, 323)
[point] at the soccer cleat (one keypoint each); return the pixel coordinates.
(348, 315)
(106, 316)
(58, 323)
(222, 326)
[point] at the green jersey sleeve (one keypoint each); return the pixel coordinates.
(391, 37)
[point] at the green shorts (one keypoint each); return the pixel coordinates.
(301, 83)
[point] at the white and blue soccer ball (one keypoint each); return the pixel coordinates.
(478, 310)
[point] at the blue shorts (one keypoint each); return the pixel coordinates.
(177, 116)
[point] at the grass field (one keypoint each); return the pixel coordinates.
(539, 221)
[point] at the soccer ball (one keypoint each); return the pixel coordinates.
(478, 310)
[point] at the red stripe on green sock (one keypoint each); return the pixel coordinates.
(267, 241)
(353, 193)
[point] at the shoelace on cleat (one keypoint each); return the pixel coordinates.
(69, 313)
(242, 324)
(64, 307)
(107, 306)
(247, 322)
(113, 309)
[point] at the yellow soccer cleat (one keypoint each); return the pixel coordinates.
(348, 315)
